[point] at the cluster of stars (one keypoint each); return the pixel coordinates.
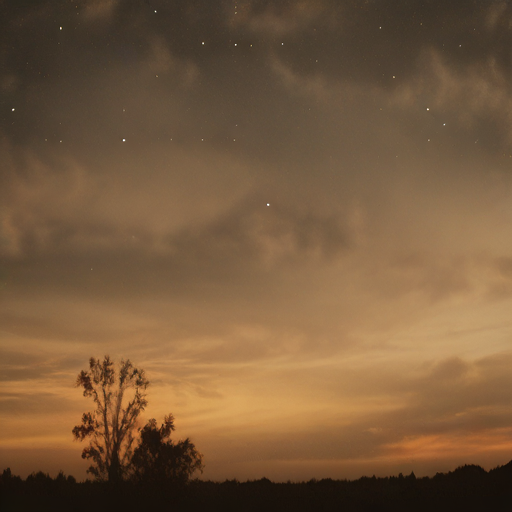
(236, 44)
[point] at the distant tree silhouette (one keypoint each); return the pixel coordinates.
(110, 427)
(158, 459)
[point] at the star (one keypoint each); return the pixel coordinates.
(124, 140)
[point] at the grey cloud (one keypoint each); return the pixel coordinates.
(454, 398)
(457, 395)
(271, 234)
(34, 404)
(281, 19)
(250, 233)
(499, 16)
(24, 366)
(436, 277)
(336, 42)
(476, 97)
(21, 365)
(162, 62)
(99, 9)
(500, 277)
(505, 266)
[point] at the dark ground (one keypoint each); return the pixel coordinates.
(467, 488)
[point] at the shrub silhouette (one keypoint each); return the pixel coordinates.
(158, 459)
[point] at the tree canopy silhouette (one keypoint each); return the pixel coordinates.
(159, 459)
(110, 426)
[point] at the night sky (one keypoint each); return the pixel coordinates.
(296, 216)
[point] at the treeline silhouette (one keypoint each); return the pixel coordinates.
(467, 488)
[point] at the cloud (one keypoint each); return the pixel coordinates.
(9, 83)
(499, 14)
(279, 19)
(74, 213)
(162, 62)
(475, 97)
(35, 403)
(271, 234)
(97, 10)
(61, 205)
(27, 365)
(500, 277)
(455, 395)
(455, 402)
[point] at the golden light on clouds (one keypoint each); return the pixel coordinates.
(435, 447)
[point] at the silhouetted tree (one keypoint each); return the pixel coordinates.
(110, 427)
(158, 459)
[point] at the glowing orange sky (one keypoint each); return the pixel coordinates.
(304, 237)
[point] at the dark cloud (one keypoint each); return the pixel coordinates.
(454, 398)
(501, 277)
(33, 404)
(268, 232)
(253, 230)
(453, 61)
(30, 366)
